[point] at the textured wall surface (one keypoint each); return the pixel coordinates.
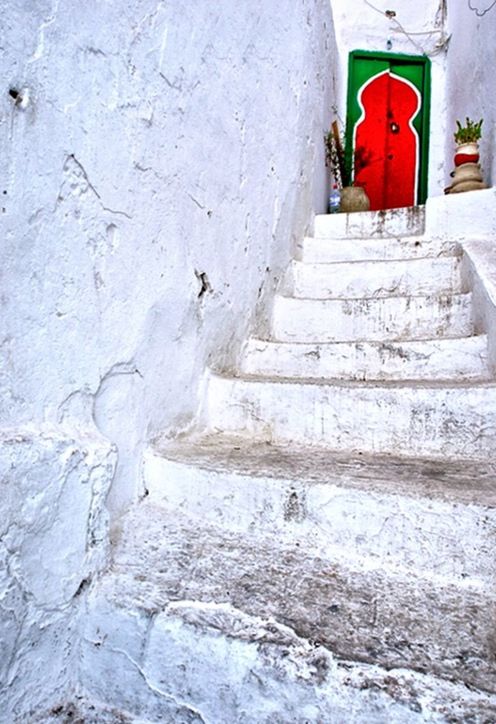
(470, 76)
(160, 160)
(53, 538)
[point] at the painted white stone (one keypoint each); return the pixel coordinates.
(79, 709)
(460, 358)
(272, 673)
(175, 602)
(159, 165)
(148, 212)
(54, 539)
(365, 279)
(412, 419)
(437, 519)
(147, 245)
(471, 32)
(467, 216)
(322, 250)
(366, 224)
(480, 267)
(382, 319)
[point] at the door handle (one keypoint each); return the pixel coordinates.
(394, 127)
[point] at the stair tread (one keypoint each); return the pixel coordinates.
(444, 260)
(407, 221)
(316, 249)
(441, 358)
(381, 318)
(212, 644)
(362, 615)
(465, 481)
(471, 338)
(489, 383)
(427, 297)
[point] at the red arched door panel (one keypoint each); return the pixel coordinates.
(388, 125)
(390, 142)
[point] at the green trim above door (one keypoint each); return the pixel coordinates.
(416, 71)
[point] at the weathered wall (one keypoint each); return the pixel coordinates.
(470, 77)
(53, 539)
(156, 143)
(416, 29)
(159, 162)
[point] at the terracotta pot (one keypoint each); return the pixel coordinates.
(354, 198)
(466, 186)
(467, 153)
(467, 172)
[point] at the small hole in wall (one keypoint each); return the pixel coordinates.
(20, 97)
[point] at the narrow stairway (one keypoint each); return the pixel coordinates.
(322, 549)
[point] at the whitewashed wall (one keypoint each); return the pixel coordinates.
(159, 161)
(470, 76)
(160, 141)
(418, 28)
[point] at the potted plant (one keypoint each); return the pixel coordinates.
(467, 138)
(344, 167)
(467, 175)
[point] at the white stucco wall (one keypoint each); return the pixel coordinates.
(53, 540)
(159, 142)
(470, 77)
(160, 160)
(417, 28)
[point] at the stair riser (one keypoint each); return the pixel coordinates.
(457, 422)
(251, 672)
(394, 222)
(375, 279)
(393, 318)
(456, 359)
(322, 251)
(422, 535)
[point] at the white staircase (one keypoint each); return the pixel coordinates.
(322, 550)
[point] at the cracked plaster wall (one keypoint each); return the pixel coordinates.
(53, 538)
(470, 76)
(160, 160)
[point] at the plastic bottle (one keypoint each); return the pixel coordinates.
(334, 200)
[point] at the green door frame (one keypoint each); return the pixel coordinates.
(421, 121)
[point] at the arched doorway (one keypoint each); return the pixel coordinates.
(387, 126)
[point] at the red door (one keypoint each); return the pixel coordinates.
(389, 141)
(387, 127)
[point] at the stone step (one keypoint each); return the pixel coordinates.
(366, 279)
(323, 251)
(383, 319)
(435, 518)
(212, 624)
(462, 358)
(211, 663)
(398, 418)
(408, 221)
